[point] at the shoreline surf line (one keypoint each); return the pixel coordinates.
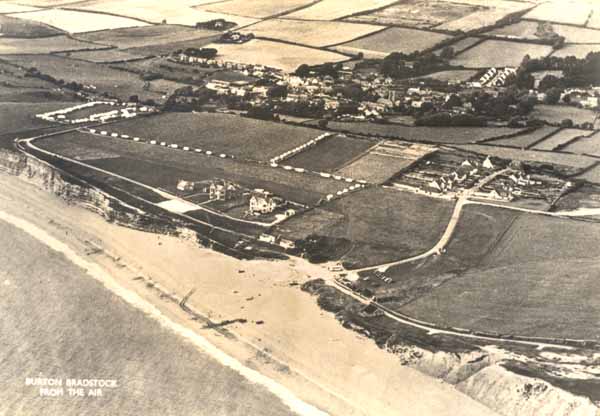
(295, 404)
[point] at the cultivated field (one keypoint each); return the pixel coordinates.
(245, 138)
(310, 33)
(337, 9)
(259, 9)
(22, 28)
(488, 14)
(275, 54)
(375, 168)
(101, 56)
(381, 225)
(417, 13)
(78, 22)
(120, 84)
(179, 12)
(578, 51)
(10, 46)
(331, 153)
(451, 135)
(524, 141)
(394, 39)
(570, 12)
(499, 53)
(560, 139)
(556, 299)
(527, 29)
(136, 37)
(587, 145)
(557, 113)
(158, 166)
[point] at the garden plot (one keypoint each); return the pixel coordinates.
(310, 33)
(394, 39)
(77, 22)
(337, 9)
(561, 11)
(500, 53)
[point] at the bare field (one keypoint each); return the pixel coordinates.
(587, 145)
(242, 137)
(557, 113)
(310, 33)
(578, 51)
(500, 53)
(569, 12)
(337, 9)
(395, 39)
(561, 138)
(259, 9)
(331, 153)
(524, 141)
(23, 28)
(375, 168)
(526, 29)
(12, 46)
(561, 276)
(275, 54)
(416, 13)
(76, 21)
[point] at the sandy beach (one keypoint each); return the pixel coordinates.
(286, 337)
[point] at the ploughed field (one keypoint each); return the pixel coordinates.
(162, 167)
(244, 138)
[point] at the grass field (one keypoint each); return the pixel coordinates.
(591, 175)
(451, 75)
(499, 53)
(523, 141)
(594, 21)
(451, 135)
(275, 54)
(147, 36)
(488, 14)
(16, 117)
(11, 46)
(242, 137)
(23, 28)
(560, 138)
(570, 12)
(383, 225)
(102, 56)
(417, 13)
(586, 145)
(77, 22)
(394, 39)
(6, 7)
(375, 168)
(120, 84)
(168, 166)
(557, 113)
(259, 9)
(168, 70)
(330, 154)
(337, 9)
(526, 29)
(531, 283)
(310, 33)
(578, 51)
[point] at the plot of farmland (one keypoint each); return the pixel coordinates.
(102, 56)
(560, 139)
(117, 83)
(10, 46)
(394, 39)
(168, 166)
(558, 297)
(451, 75)
(178, 12)
(500, 53)
(6, 7)
(310, 33)
(136, 37)
(557, 113)
(275, 54)
(375, 168)
(587, 145)
(424, 134)
(592, 175)
(257, 8)
(488, 15)
(330, 154)
(524, 141)
(77, 22)
(594, 21)
(16, 117)
(336, 9)
(526, 29)
(383, 225)
(417, 13)
(570, 12)
(578, 51)
(242, 137)
(23, 28)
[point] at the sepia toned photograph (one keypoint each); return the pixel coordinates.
(300, 207)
